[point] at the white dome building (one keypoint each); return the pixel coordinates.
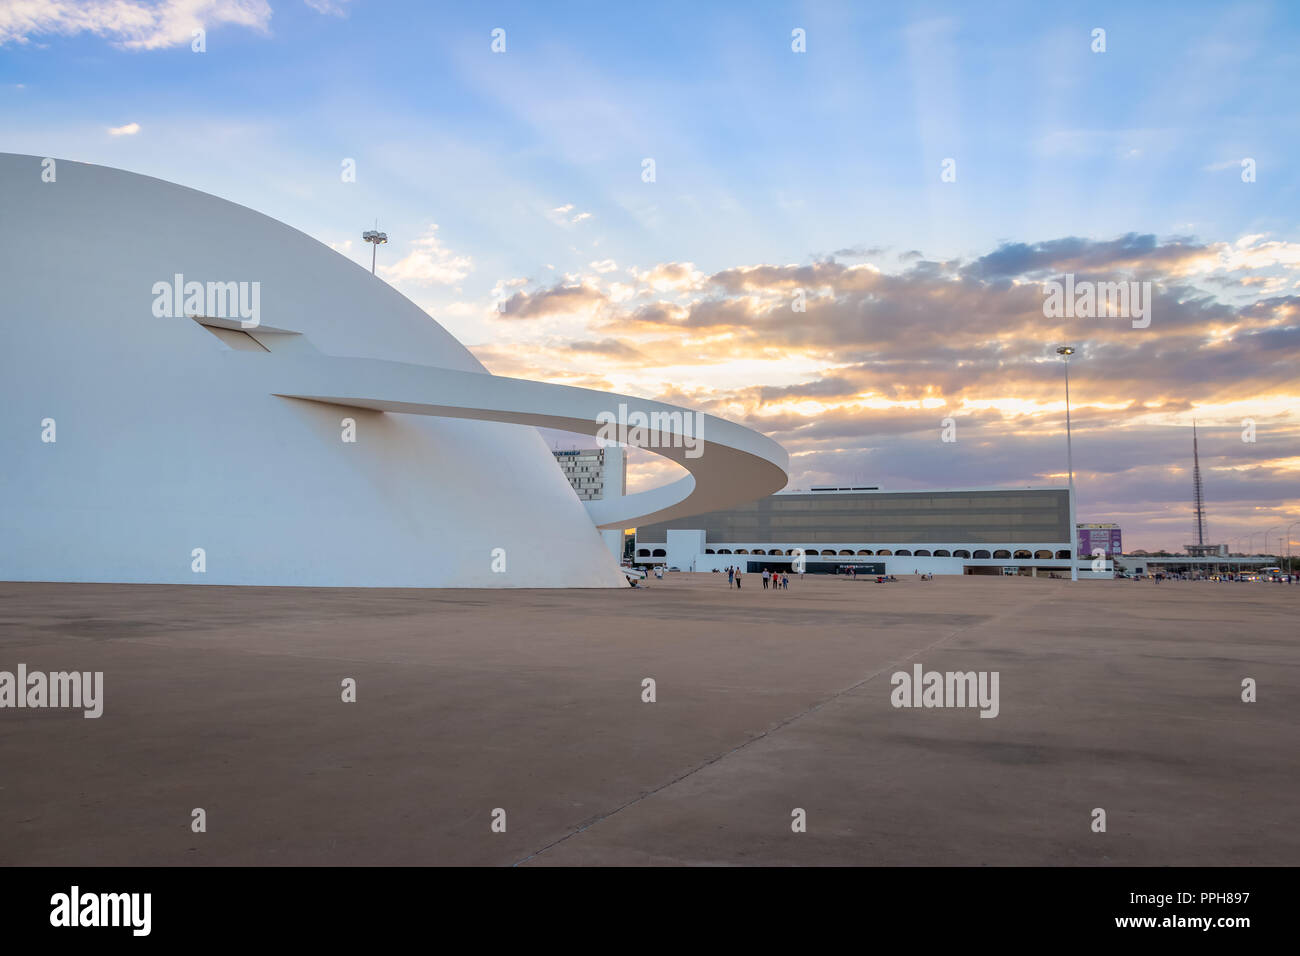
(176, 381)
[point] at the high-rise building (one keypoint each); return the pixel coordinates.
(595, 473)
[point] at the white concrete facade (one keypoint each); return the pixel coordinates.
(897, 565)
(189, 448)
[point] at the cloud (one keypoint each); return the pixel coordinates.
(1129, 252)
(565, 216)
(130, 129)
(563, 298)
(128, 24)
(608, 347)
(333, 8)
(503, 285)
(857, 384)
(670, 277)
(429, 263)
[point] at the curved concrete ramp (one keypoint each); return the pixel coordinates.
(728, 463)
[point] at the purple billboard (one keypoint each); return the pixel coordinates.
(1103, 536)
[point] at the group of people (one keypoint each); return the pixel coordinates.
(771, 579)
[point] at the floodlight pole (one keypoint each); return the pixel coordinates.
(375, 238)
(1065, 352)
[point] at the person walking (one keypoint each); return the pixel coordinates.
(737, 577)
(731, 577)
(765, 578)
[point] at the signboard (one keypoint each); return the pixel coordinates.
(873, 568)
(1104, 537)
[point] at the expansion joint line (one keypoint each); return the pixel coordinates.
(782, 725)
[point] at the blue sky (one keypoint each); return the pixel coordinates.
(529, 164)
(762, 155)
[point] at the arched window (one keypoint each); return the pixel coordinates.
(776, 551)
(1022, 555)
(660, 553)
(742, 551)
(903, 553)
(846, 551)
(1063, 555)
(759, 551)
(922, 553)
(724, 551)
(961, 553)
(643, 553)
(1002, 553)
(708, 551)
(864, 552)
(829, 553)
(884, 553)
(941, 553)
(982, 554)
(1043, 555)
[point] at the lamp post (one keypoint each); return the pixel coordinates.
(1289, 562)
(1274, 528)
(1065, 351)
(377, 238)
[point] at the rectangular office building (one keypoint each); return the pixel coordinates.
(595, 473)
(966, 531)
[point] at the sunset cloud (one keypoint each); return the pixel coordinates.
(429, 263)
(858, 383)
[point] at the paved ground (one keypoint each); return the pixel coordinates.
(1119, 695)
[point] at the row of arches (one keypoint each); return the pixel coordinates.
(977, 554)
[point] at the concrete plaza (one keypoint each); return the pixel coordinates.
(1113, 694)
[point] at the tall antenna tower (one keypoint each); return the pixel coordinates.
(1198, 496)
